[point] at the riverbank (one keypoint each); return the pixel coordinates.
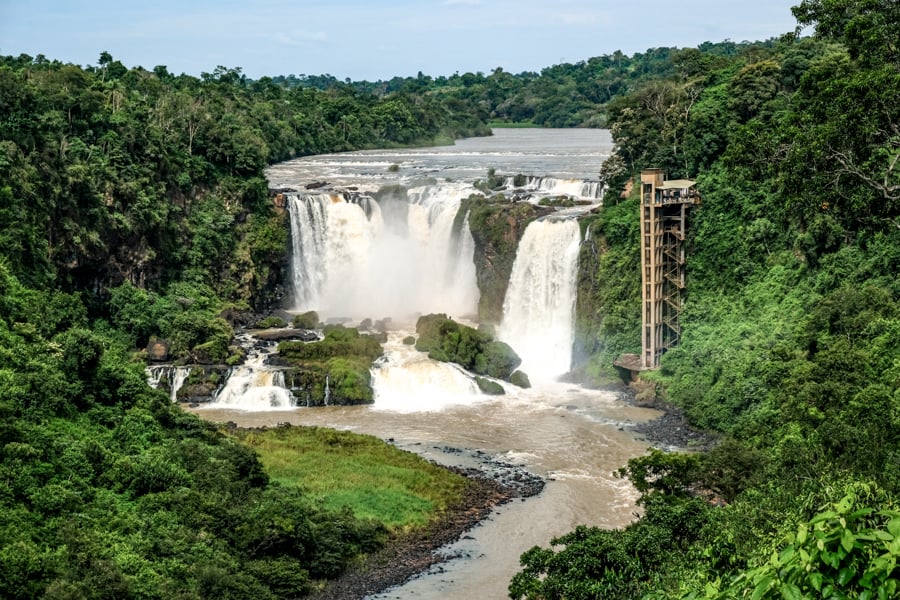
(492, 484)
(671, 430)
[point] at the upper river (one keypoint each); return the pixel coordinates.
(573, 436)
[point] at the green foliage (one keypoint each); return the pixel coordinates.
(520, 379)
(489, 387)
(496, 229)
(671, 474)
(496, 359)
(341, 363)
(606, 323)
(307, 320)
(271, 322)
(350, 381)
(339, 341)
(594, 563)
(848, 550)
(446, 340)
(371, 478)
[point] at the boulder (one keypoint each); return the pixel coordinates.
(158, 350)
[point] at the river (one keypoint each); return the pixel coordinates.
(574, 437)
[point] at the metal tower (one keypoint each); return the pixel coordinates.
(664, 207)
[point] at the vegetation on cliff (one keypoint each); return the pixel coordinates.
(446, 340)
(497, 225)
(791, 330)
(334, 370)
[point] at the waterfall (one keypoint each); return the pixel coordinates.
(448, 282)
(351, 260)
(254, 385)
(593, 189)
(249, 388)
(174, 377)
(405, 380)
(330, 237)
(463, 294)
(539, 308)
(579, 188)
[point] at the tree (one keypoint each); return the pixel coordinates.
(869, 28)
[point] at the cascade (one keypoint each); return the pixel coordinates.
(580, 188)
(174, 376)
(330, 239)
(405, 380)
(539, 307)
(254, 385)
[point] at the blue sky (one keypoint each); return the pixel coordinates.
(373, 39)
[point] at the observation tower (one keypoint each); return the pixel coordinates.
(664, 208)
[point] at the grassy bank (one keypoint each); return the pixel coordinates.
(509, 125)
(370, 477)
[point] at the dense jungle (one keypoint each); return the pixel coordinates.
(134, 207)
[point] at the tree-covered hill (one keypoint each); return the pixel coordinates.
(563, 95)
(112, 174)
(790, 343)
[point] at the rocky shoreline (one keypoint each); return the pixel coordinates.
(671, 430)
(492, 484)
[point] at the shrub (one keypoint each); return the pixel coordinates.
(350, 381)
(307, 320)
(445, 340)
(520, 379)
(271, 323)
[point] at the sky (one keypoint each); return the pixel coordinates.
(373, 39)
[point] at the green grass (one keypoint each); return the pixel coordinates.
(374, 479)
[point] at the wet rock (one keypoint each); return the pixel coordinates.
(671, 430)
(303, 335)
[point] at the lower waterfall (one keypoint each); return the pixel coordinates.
(253, 385)
(406, 380)
(174, 378)
(539, 307)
